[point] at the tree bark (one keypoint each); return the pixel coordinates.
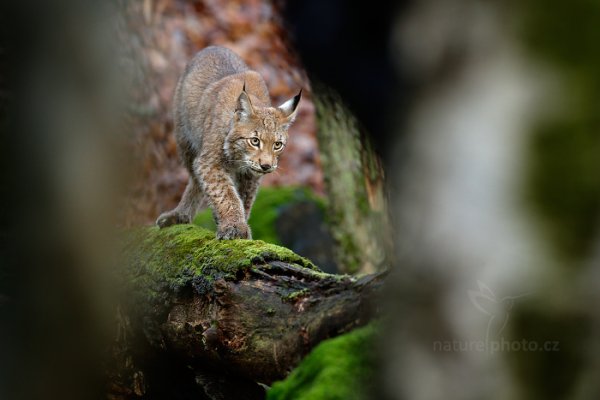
(230, 311)
(354, 179)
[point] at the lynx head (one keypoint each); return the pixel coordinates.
(258, 135)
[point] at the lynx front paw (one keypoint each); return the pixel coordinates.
(172, 218)
(239, 231)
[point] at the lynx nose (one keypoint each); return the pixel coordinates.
(265, 167)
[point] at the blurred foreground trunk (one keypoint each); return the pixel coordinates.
(211, 318)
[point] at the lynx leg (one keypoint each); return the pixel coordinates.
(224, 200)
(248, 189)
(191, 202)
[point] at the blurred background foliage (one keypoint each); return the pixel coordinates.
(565, 151)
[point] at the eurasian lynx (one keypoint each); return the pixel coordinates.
(228, 136)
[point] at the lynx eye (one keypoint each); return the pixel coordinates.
(277, 145)
(254, 141)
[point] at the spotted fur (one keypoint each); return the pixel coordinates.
(229, 136)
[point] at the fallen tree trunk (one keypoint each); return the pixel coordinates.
(229, 310)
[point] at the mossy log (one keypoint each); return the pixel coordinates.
(247, 308)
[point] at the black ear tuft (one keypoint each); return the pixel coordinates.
(297, 99)
(289, 107)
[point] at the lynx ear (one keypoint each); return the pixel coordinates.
(243, 109)
(290, 107)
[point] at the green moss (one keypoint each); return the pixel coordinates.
(295, 295)
(175, 257)
(267, 208)
(339, 368)
(348, 246)
(205, 220)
